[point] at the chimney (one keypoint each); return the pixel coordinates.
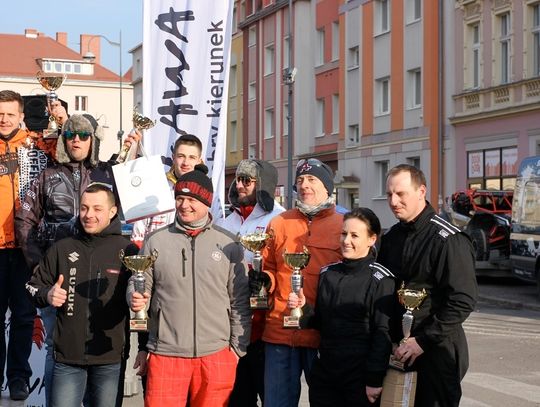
(30, 33)
(61, 38)
(91, 43)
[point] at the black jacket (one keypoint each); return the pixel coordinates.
(51, 207)
(90, 326)
(355, 301)
(433, 254)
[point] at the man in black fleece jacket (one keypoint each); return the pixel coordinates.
(83, 277)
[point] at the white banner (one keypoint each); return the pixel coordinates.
(186, 50)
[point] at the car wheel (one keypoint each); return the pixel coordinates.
(480, 244)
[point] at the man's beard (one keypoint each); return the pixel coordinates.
(247, 200)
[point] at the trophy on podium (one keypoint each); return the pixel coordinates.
(296, 261)
(411, 300)
(255, 242)
(138, 264)
(51, 82)
(140, 123)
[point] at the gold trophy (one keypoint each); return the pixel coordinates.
(255, 242)
(140, 123)
(138, 264)
(51, 82)
(296, 261)
(411, 300)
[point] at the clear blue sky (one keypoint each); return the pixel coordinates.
(103, 17)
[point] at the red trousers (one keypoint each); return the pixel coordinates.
(208, 380)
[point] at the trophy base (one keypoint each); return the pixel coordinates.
(396, 364)
(138, 325)
(258, 303)
(291, 322)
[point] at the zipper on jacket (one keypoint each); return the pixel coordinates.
(309, 225)
(184, 262)
(194, 297)
(12, 177)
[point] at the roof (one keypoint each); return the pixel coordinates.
(21, 55)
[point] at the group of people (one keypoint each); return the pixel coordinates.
(205, 346)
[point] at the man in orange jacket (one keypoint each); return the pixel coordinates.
(14, 272)
(313, 224)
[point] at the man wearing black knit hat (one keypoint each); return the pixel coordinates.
(199, 317)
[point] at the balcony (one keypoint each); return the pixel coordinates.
(501, 100)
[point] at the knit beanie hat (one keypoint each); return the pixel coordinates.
(196, 184)
(312, 166)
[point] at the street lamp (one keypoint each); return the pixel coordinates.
(89, 56)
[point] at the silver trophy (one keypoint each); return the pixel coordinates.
(411, 300)
(140, 123)
(138, 264)
(255, 242)
(51, 82)
(296, 261)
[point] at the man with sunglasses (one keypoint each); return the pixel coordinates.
(251, 196)
(313, 225)
(51, 206)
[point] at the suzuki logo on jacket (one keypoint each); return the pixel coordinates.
(71, 291)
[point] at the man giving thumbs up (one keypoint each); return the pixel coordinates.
(83, 277)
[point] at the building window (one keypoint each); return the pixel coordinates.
(413, 10)
(47, 66)
(232, 81)
(320, 122)
(414, 161)
(252, 37)
(335, 41)
(319, 56)
(252, 151)
(354, 134)
(286, 50)
(269, 123)
(381, 169)
(254, 6)
(382, 16)
(232, 136)
(475, 60)
(354, 57)
(269, 57)
(415, 88)
(536, 39)
(252, 91)
(494, 168)
(382, 97)
(504, 40)
(234, 20)
(81, 103)
(335, 114)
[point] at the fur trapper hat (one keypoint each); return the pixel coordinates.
(80, 122)
(267, 177)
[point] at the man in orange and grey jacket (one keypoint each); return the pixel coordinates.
(313, 224)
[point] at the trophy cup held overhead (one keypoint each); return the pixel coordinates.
(411, 300)
(140, 123)
(296, 261)
(138, 264)
(51, 82)
(255, 242)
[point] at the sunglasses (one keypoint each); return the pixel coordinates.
(245, 180)
(83, 135)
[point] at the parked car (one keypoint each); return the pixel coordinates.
(525, 236)
(485, 216)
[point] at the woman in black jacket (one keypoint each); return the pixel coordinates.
(354, 304)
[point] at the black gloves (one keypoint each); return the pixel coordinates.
(257, 280)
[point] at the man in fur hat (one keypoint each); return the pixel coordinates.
(251, 196)
(51, 206)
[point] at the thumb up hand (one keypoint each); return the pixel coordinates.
(57, 296)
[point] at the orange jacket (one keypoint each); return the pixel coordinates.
(9, 187)
(291, 230)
